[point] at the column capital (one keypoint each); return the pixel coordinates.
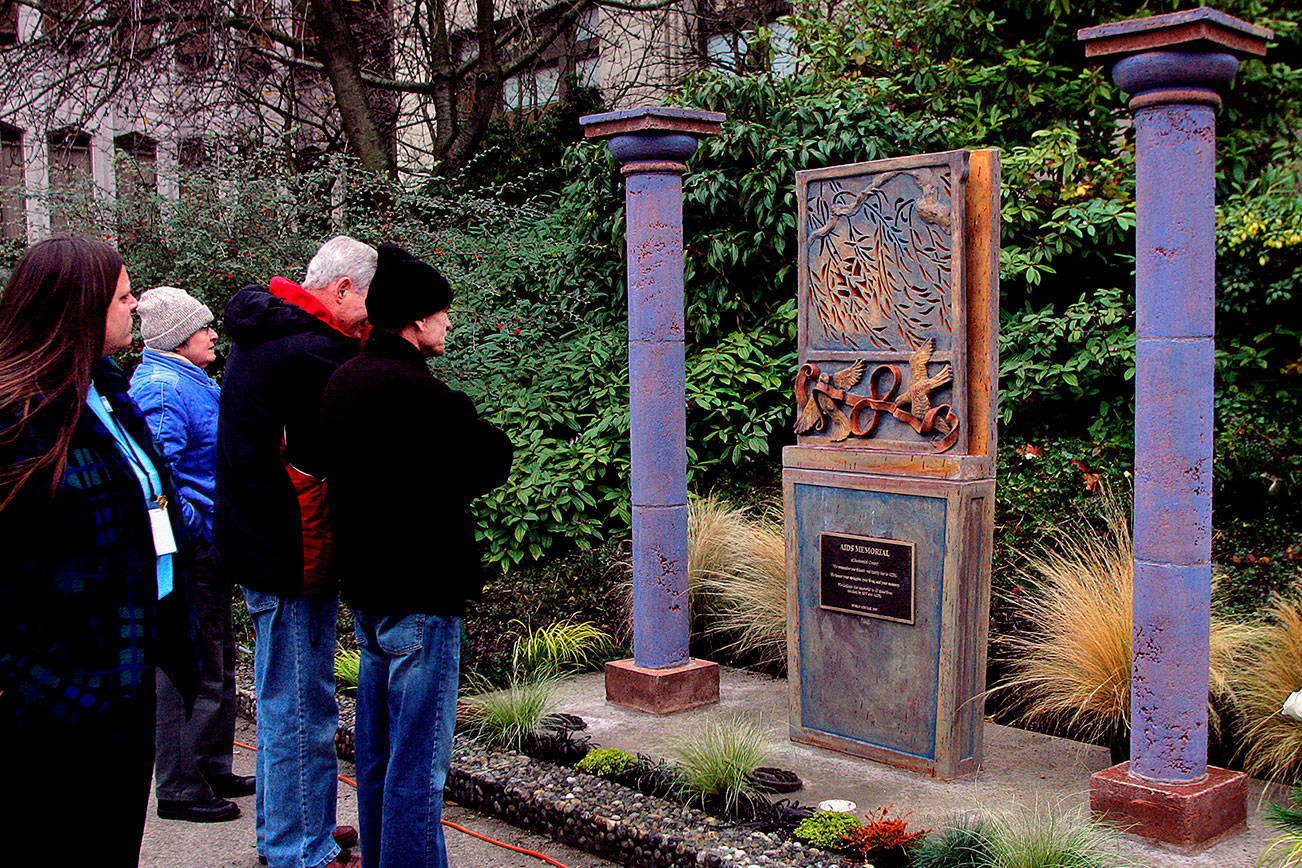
(652, 139)
(1187, 57)
(1194, 30)
(653, 120)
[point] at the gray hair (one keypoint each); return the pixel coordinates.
(341, 256)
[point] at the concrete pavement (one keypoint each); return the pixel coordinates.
(174, 844)
(1022, 770)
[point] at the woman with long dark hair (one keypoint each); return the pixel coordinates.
(91, 592)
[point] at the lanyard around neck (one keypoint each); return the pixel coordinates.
(134, 453)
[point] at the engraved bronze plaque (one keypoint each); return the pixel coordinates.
(861, 575)
(882, 304)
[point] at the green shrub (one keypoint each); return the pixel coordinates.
(606, 762)
(827, 829)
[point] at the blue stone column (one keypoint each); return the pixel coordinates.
(1175, 95)
(1175, 67)
(653, 195)
(652, 146)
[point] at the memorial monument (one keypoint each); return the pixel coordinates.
(889, 492)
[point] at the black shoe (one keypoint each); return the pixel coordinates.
(232, 786)
(214, 810)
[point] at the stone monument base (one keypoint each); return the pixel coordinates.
(1186, 815)
(662, 691)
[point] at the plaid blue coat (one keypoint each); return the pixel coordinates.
(81, 627)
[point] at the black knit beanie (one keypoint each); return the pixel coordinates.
(404, 290)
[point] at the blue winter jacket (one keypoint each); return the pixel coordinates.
(179, 404)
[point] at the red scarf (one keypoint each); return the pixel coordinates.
(290, 292)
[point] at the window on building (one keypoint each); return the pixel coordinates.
(532, 89)
(137, 24)
(306, 40)
(256, 22)
(195, 32)
(60, 20)
(747, 36)
(8, 22)
(13, 219)
(71, 180)
(191, 158)
(575, 51)
(135, 168)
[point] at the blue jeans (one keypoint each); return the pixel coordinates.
(406, 711)
(293, 666)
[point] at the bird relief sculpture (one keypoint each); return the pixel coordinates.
(825, 404)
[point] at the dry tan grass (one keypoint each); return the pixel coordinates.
(737, 571)
(1074, 667)
(1263, 677)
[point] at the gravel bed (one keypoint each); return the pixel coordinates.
(611, 820)
(590, 813)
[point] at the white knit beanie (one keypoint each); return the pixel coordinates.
(169, 317)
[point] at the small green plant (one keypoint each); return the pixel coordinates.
(564, 647)
(964, 842)
(348, 664)
(1285, 851)
(827, 829)
(606, 762)
(506, 717)
(717, 761)
(1050, 838)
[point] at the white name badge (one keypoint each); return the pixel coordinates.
(164, 542)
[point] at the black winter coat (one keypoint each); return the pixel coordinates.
(81, 626)
(280, 361)
(418, 454)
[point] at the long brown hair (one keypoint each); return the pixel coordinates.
(52, 323)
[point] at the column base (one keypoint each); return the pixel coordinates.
(1189, 816)
(662, 691)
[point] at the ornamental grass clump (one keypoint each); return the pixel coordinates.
(830, 830)
(1050, 838)
(1285, 851)
(561, 648)
(1073, 663)
(508, 717)
(348, 664)
(1265, 674)
(736, 569)
(716, 762)
(965, 842)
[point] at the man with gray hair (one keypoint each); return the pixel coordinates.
(271, 536)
